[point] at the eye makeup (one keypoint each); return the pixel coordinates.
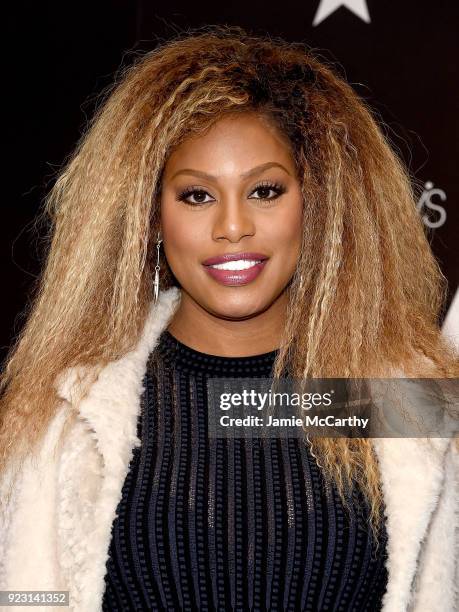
(199, 193)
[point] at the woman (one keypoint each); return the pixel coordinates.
(216, 146)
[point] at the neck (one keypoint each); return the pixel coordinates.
(207, 332)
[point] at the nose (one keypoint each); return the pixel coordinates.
(233, 221)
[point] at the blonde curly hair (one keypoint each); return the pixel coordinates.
(372, 290)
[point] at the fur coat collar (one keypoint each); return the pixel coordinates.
(56, 530)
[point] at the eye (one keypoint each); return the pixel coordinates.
(268, 191)
(265, 191)
(194, 196)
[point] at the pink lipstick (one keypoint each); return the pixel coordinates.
(235, 268)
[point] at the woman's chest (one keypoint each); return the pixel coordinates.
(212, 523)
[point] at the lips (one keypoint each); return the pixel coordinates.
(236, 277)
(211, 261)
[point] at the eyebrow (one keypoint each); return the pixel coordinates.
(251, 172)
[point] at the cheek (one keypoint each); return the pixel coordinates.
(287, 233)
(182, 236)
(286, 228)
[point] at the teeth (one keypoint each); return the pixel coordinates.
(240, 264)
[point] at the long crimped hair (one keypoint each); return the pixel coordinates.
(372, 291)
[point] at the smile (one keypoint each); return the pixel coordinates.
(238, 272)
(240, 264)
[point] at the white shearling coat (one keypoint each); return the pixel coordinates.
(56, 530)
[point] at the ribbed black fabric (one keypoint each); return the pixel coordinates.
(217, 524)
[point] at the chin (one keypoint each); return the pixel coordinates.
(238, 307)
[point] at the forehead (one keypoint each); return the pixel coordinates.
(233, 143)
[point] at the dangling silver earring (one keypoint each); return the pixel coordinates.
(157, 268)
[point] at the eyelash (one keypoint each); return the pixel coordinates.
(276, 187)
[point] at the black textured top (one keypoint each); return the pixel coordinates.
(219, 524)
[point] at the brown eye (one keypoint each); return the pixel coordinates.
(194, 196)
(268, 191)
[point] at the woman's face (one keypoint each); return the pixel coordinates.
(232, 191)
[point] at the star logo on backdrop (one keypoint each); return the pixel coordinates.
(327, 7)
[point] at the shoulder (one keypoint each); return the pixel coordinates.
(68, 383)
(28, 472)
